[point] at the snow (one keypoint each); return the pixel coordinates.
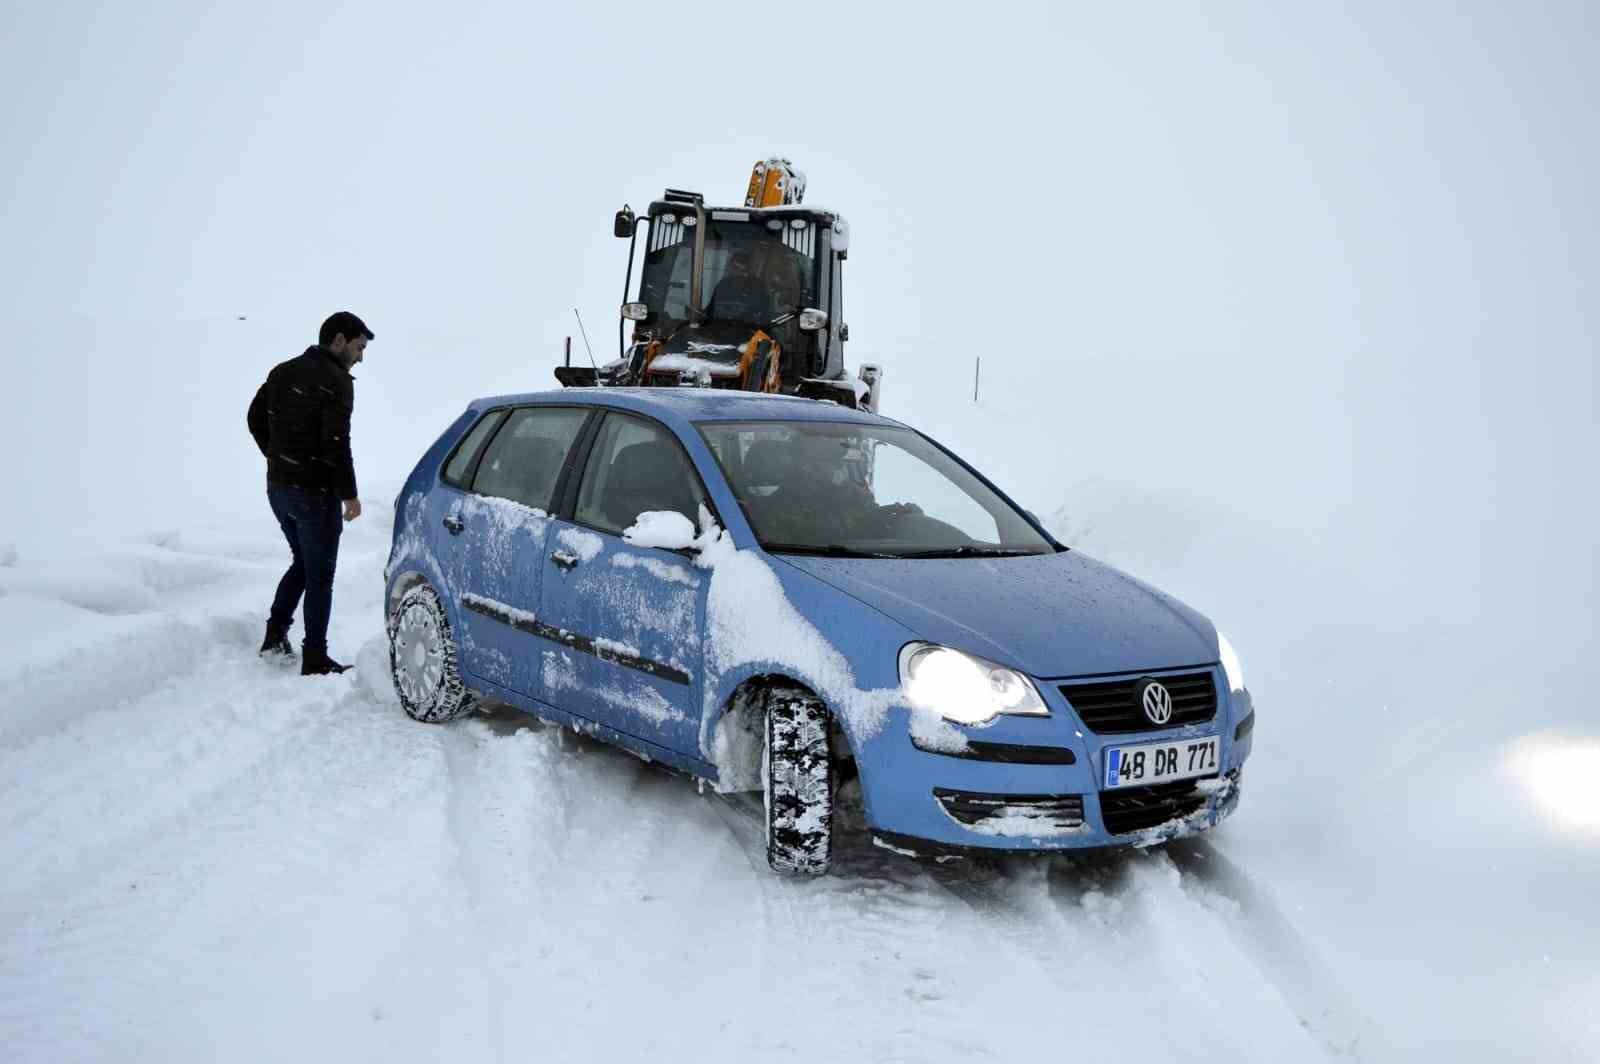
(586, 545)
(750, 621)
(511, 613)
(655, 567)
(684, 364)
(661, 528)
(175, 808)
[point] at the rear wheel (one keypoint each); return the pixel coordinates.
(422, 659)
(797, 774)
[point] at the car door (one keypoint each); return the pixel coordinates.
(627, 622)
(502, 523)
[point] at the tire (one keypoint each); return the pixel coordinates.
(797, 777)
(422, 659)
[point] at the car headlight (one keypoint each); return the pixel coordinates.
(963, 688)
(1230, 663)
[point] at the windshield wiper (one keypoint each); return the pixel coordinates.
(828, 550)
(969, 552)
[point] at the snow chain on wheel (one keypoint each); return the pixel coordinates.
(797, 771)
(422, 659)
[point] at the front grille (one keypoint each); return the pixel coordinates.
(1013, 814)
(1112, 707)
(1138, 808)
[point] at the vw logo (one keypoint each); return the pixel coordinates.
(1157, 703)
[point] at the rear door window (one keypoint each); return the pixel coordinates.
(524, 461)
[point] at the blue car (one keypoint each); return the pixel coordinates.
(776, 594)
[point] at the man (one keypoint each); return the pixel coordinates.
(300, 419)
(740, 295)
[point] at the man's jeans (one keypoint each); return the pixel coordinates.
(312, 523)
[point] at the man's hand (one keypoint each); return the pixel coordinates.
(352, 509)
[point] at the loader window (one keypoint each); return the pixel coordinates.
(874, 490)
(760, 272)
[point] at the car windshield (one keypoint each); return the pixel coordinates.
(810, 487)
(753, 271)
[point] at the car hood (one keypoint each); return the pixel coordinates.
(1049, 615)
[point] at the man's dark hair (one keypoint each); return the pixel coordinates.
(343, 324)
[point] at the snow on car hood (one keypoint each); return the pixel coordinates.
(1050, 615)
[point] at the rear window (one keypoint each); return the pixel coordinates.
(524, 461)
(460, 464)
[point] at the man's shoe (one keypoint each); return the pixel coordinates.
(315, 662)
(276, 645)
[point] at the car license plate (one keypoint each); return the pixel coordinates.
(1177, 759)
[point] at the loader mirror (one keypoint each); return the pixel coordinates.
(623, 225)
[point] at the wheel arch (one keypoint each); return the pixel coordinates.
(737, 732)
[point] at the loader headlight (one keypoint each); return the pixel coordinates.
(1230, 663)
(963, 688)
(635, 311)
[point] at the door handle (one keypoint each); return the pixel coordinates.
(454, 524)
(563, 559)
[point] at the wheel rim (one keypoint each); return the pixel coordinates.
(418, 654)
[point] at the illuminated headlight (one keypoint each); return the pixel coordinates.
(965, 689)
(1230, 663)
(635, 311)
(812, 319)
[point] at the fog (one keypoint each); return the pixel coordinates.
(1328, 268)
(1289, 309)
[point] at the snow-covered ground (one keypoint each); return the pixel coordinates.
(207, 857)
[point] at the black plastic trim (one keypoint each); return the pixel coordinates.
(1006, 753)
(572, 639)
(1245, 727)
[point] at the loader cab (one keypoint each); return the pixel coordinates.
(711, 275)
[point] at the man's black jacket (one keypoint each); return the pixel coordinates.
(301, 421)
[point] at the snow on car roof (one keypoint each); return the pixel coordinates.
(694, 404)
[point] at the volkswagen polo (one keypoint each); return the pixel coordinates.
(775, 594)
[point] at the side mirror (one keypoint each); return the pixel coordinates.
(624, 223)
(812, 319)
(636, 311)
(665, 529)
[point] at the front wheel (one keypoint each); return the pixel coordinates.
(798, 783)
(422, 659)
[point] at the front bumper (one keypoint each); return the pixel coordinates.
(1033, 784)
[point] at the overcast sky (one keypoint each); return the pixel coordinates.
(1330, 267)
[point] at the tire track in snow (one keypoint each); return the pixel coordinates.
(1284, 956)
(86, 798)
(250, 876)
(504, 812)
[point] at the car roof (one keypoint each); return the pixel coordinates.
(687, 405)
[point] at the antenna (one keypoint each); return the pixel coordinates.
(585, 334)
